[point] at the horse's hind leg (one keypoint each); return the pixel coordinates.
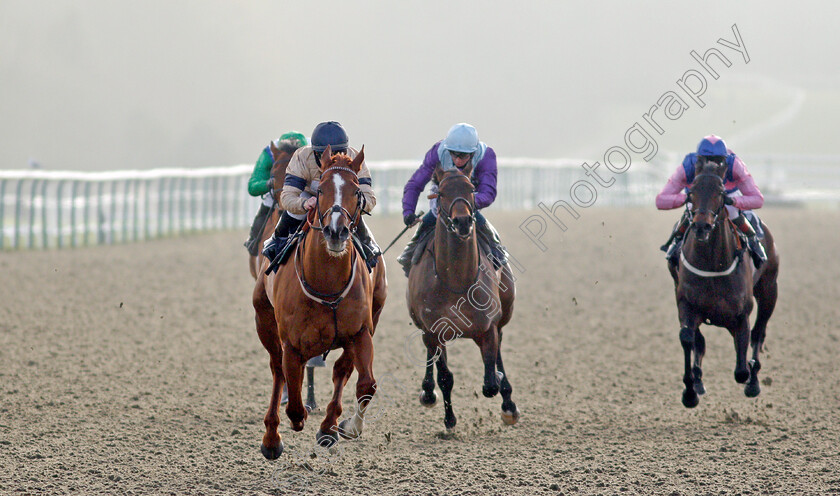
(765, 292)
(327, 435)
(510, 413)
(699, 352)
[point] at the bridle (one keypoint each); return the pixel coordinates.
(352, 218)
(446, 216)
(701, 211)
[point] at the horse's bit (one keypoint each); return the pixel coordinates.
(447, 218)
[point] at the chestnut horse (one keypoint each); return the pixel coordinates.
(281, 157)
(322, 299)
(715, 283)
(454, 291)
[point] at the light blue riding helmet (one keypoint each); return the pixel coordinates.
(462, 138)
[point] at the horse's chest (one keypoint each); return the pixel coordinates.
(474, 309)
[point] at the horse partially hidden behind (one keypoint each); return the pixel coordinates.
(322, 299)
(715, 283)
(281, 156)
(454, 291)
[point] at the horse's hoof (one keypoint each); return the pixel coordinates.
(742, 376)
(311, 406)
(428, 399)
(690, 398)
(297, 426)
(510, 418)
(699, 388)
(347, 432)
(326, 439)
(449, 422)
(752, 389)
(272, 453)
(490, 391)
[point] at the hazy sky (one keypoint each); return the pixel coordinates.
(109, 84)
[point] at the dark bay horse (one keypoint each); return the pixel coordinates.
(323, 298)
(281, 157)
(715, 284)
(454, 291)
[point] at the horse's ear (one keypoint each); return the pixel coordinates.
(356, 164)
(438, 173)
(326, 157)
(467, 169)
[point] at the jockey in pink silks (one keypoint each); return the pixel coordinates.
(742, 196)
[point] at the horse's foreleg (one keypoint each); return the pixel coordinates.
(365, 386)
(741, 334)
(510, 413)
(489, 345)
(428, 397)
(272, 444)
(327, 435)
(699, 352)
(446, 381)
(293, 364)
(687, 335)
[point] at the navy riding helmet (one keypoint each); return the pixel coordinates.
(331, 134)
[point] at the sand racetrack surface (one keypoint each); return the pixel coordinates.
(136, 369)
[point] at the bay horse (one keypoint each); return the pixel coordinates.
(715, 283)
(322, 299)
(454, 291)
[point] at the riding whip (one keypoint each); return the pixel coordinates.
(416, 221)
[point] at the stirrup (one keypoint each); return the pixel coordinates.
(757, 253)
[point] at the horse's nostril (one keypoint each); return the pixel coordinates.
(344, 233)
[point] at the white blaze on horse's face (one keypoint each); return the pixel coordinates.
(335, 245)
(336, 216)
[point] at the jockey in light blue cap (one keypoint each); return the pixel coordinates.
(460, 148)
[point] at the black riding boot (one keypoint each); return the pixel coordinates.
(369, 246)
(759, 256)
(408, 253)
(498, 252)
(257, 227)
(285, 226)
(672, 247)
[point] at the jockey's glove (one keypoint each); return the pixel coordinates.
(410, 218)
